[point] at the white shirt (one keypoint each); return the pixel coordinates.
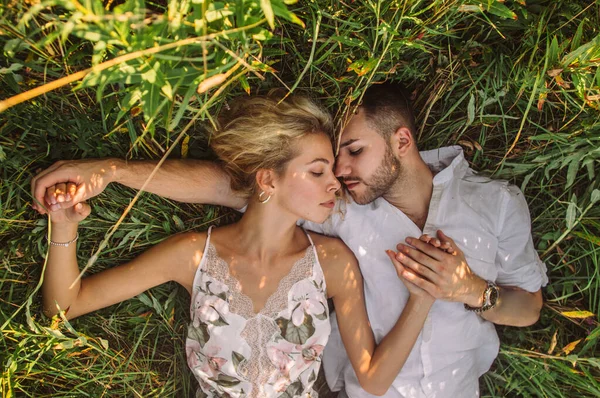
(489, 221)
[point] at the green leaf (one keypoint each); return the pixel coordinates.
(13, 68)
(145, 300)
(199, 334)
(595, 196)
(237, 358)
(268, 10)
(178, 223)
(501, 10)
(582, 53)
(572, 172)
(293, 390)
(296, 334)
(576, 42)
(225, 380)
(281, 11)
(471, 110)
(571, 213)
(322, 316)
(553, 52)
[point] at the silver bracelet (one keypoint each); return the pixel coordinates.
(63, 244)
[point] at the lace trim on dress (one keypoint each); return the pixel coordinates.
(240, 303)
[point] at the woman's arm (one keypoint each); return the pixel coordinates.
(174, 259)
(376, 366)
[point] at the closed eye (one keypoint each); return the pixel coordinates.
(316, 174)
(355, 152)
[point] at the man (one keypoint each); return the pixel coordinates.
(492, 275)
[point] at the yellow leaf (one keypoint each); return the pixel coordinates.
(577, 314)
(570, 347)
(185, 146)
(268, 10)
(553, 343)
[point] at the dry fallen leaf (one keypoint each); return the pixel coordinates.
(570, 347)
(553, 343)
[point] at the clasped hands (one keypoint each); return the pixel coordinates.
(437, 267)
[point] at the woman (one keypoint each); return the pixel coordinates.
(259, 287)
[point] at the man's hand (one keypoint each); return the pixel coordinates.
(441, 271)
(67, 183)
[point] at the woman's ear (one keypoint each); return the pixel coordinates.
(265, 180)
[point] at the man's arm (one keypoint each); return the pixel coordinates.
(447, 276)
(192, 181)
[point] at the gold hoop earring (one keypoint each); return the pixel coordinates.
(260, 200)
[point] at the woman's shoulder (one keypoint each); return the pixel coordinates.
(186, 244)
(331, 251)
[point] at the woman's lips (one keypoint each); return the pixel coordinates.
(329, 204)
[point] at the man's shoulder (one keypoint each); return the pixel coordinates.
(486, 187)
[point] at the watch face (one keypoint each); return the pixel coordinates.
(493, 296)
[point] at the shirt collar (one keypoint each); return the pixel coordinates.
(446, 163)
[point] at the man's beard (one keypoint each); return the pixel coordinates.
(383, 178)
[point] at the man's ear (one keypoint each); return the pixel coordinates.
(265, 180)
(402, 142)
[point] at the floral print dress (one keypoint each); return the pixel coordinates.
(235, 352)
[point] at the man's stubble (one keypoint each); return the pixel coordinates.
(384, 177)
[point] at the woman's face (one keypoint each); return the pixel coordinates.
(308, 185)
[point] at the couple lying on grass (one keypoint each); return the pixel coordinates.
(414, 309)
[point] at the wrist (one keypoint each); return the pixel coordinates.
(63, 232)
(417, 301)
(115, 170)
(474, 298)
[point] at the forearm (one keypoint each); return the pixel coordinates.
(393, 350)
(61, 271)
(515, 307)
(191, 181)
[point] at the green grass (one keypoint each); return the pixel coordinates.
(517, 84)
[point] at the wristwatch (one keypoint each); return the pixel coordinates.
(490, 298)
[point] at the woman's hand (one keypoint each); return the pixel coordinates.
(414, 290)
(71, 215)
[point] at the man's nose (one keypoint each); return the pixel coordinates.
(342, 167)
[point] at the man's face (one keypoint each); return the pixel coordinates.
(365, 163)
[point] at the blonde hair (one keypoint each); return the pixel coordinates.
(260, 133)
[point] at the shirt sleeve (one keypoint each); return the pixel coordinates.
(517, 260)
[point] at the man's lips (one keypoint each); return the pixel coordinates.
(351, 184)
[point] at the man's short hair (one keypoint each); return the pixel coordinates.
(387, 108)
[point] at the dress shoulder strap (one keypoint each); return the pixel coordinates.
(309, 238)
(207, 242)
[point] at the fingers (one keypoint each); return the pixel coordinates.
(71, 191)
(418, 268)
(399, 268)
(420, 282)
(38, 188)
(447, 242)
(61, 196)
(428, 239)
(423, 248)
(60, 192)
(82, 209)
